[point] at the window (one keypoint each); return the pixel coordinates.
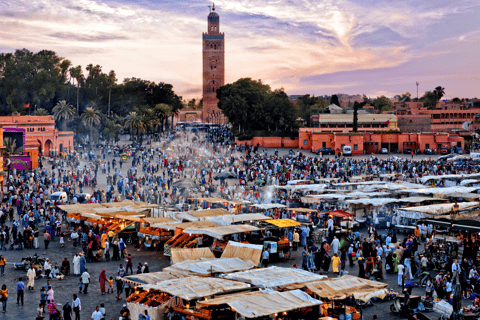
(305, 142)
(341, 147)
(324, 144)
(213, 81)
(355, 147)
(215, 47)
(427, 146)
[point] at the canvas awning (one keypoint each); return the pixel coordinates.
(220, 231)
(184, 225)
(266, 206)
(202, 214)
(441, 208)
(148, 278)
(346, 286)
(245, 251)
(339, 213)
(206, 267)
(197, 287)
(235, 218)
(274, 276)
(264, 303)
(158, 220)
(304, 210)
(182, 254)
(283, 223)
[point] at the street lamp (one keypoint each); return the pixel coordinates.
(454, 212)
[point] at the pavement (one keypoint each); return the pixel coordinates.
(64, 289)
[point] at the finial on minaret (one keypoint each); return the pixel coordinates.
(213, 8)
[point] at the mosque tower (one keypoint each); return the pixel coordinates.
(213, 68)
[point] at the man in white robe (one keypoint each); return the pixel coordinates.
(31, 275)
(76, 264)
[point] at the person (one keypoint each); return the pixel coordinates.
(76, 306)
(74, 237)
(3, 262)
(52, 310)
(335, 245)
(126, 287)
(145, 315)
(4, 297)
(119, 283)
(379, 275)
(139, 268)
(305, 258)
(265, 257)
(83, 262)
(67, 311)
(296, 240)
(50, 294)
(110, 284)
(129, 261)
(76, 264)
(406, 300)
(102, 278)
(455, 271)
(40, 315)
(102, 308)
(97, 315)
(400, 268)
(85, 281)
(20, 287)
(125, 313)
(46, 239)
(31, 275)
(335, 263)
(429, 288)
(47, 267)
(361, 268)
(116, 255)
(145, 268)
(54, 272)
(43, 297)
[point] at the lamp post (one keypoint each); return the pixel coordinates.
(453, 213)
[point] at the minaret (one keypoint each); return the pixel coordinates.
(213, 68)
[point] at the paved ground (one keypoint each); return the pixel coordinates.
(66, 288)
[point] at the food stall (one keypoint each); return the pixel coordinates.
(338, 289)
(151, 237)
(275, 237)
(182, 239)
(221, 234)
(181, 295)
(148, 278)
(269, 304)
(245, 251)
(201, 215)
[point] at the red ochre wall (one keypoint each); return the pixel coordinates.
(270, 142)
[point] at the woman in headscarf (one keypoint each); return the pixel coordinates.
(389, 262)
(361, 269)
(395, 262)
(116, 253)
(102, 279)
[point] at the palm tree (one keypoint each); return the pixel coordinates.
(439, 92)
(111, 80)
(135, 123)
(162, 112)
(77, 74)
(91, 118)
(40, 112)
(63, 111)
(10, 149)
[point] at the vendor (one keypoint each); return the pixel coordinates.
(125, 313)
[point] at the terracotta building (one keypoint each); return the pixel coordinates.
(446, 117)
(41, 137)
(340, 122)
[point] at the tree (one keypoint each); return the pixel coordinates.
(429, 100)
(250, 105)
(382, 104)
(357, 106)
(439, 92)
(111, 80)
(91, 118)
(40, 112)
(63, 112)
(77, 74)
(135, 123)
(406, 97)
(456, 100)
(335, 101)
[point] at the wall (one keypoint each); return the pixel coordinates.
(271, 142)
(415, 123)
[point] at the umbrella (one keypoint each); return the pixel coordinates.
(184, 184)
(224, 175)
(259, 181)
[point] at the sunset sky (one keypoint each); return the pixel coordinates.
(305, 46)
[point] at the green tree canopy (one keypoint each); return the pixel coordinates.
(382, 104)
(250, 105)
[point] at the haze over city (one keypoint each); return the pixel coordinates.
(317, 47)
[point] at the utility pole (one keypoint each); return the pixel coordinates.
(417, 89)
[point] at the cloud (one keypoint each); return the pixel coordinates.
(286, 43)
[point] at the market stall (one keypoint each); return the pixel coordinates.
(293, 304)
(179, 255)
(148, 278)
(151, 237)
(200, 215)
(245, 251)
(181, 295)
(276, 237)
(181, 239)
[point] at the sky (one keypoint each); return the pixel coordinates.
(320, 47)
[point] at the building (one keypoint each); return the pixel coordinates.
(450, 117)
(41, 137)
(213, 75)
(367, 122)
(213, 67)
(366, 143)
